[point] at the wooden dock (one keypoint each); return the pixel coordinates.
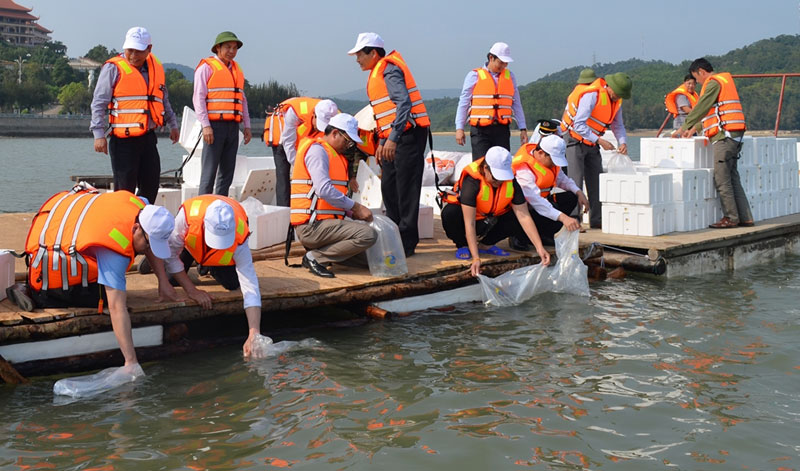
(295, 294)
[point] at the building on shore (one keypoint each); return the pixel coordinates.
(19, 28)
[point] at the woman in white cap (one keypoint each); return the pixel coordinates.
(488, 99)
(488, 206)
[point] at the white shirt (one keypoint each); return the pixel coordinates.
(242, 258)
(289, 134)
(533, 194)
(585, 107)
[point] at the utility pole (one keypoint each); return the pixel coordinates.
(19, 62)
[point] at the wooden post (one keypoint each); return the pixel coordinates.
(9, 374)
(663, 124)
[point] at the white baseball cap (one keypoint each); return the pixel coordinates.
(499, 161)
(137, 38)
(348, 124)
(556, 148)
(366, 40)
(502, 51)
(220, 225)
(158, 224)
(324, 111)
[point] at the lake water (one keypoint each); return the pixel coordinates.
(698, 373)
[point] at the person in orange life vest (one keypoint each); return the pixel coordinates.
(92, 238)
(488, 99)
(220, 105)
(132, 88)
(680, 101)
(300, 120)
(587, 115)
(491, 206)
(719, 116)
(403, 126)
(212, 230)
(537, 168)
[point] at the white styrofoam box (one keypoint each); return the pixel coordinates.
(245, 164)
(234, 191)
(757, 206)
(639, 220)
(713, 210)
(792, 174)
(710, 188)
(427, 197)
(465, 160)
(6, 272)
(369, 188)
(765, 150)
(169, 198)
(691, 216)
(259, 184)
(667, 152)
(606, 155)
(793, 206)
(636, 188)
(768, 176)
(192, 169)
(770, 205)
(192, 130)
(189, 191)
(425, 222)
(688, 184)
(781, 203)
(797, 153)
(750, 177)
(786, 175)
(747, 153)
(786, 149)
(269, 228)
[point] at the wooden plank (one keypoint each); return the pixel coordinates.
(10, 318)
(47, 315)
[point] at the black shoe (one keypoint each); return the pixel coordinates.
(18, 294)
(203, 271)
(409, 252)
(519, 246)
(316, 268)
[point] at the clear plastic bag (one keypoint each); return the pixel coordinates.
(517, 286)
(91, 385)
(386, 257)
(253, 207)
(264, 348)
(620, 163)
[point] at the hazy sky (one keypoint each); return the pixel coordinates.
(305, 42)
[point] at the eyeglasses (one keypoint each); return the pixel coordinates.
(348, 142)
(146, 238)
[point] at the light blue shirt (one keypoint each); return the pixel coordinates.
(585, 107)
(111, 268)
(465, 100)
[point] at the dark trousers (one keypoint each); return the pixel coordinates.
(225, 276)
(586, 164)
(401, 183)
(547, 228)
(483, 137)
(135, 163)
(282, 176)
(219, 159)
(74, 296)
(490, 230)
(732, 196)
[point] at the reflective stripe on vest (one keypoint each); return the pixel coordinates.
(194, 210)
(544, 178)
(135, 101)
(490, 201)
(383, 108)
(602, 114)
(306, 205)
(491, 102)
(670, 101)
(225, 98)
(726, 115)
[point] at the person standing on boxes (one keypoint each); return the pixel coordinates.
(212, 230)
(490, 96)
(220, 105)
(320, 203)
(403, 125)
(679, 102)
(294, 119)
(132, 88)
(79, 247)
(488, 203)
(718, 113)
(537, 168)
(589, 112)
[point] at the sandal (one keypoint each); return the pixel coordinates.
(462, 253)
(723, 223)
(494, 250)
(746, 223)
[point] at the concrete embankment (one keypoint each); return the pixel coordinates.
(66, 126)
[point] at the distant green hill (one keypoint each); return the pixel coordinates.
(652, 80)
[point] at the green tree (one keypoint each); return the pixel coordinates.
(266, 96)
(100, 53)
(74, 98)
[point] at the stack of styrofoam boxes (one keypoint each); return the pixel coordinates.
(6, 272)
(637, 203)
(769, 174)
(269, 228)
(169, 198)
(244, 164)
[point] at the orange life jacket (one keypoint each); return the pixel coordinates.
(671, 99)
(71, 223)
(491, 201)
(225, 98)
(383, 107)
(134, 102)
(602, 115)
(491, 101)
(194, 209)
(369, 141)
(306, 205)
(545, 178)
(726, 114)
(304, 109)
